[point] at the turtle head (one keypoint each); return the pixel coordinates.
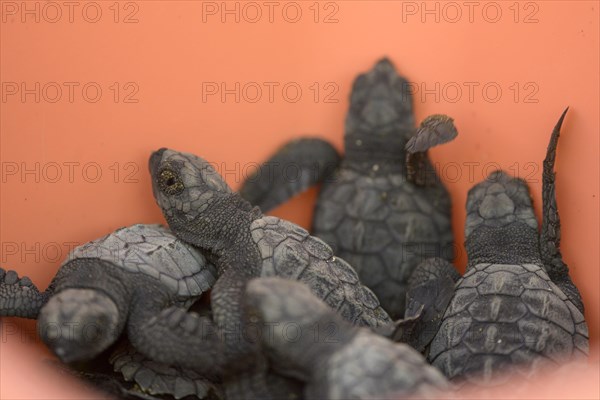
(79, 324)
(380, 105)
(195, 200)
(279, 301)
(184, 183)
(294, 323)
(498, 201)
(500, 216)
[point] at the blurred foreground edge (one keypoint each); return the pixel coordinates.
(26, 374)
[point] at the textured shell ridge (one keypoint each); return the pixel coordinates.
(311, 261)
(383, 226)
(505, 314)
(154, 251)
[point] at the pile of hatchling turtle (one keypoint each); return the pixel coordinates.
(230, 303)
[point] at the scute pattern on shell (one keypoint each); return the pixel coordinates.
(288, 251)
(370, 364)
(384, 226)
(156, 252)
(506, 314)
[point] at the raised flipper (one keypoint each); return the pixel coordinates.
(20, 297)
(431, 287)
(557, 270)
(294, 168)
(434, 130)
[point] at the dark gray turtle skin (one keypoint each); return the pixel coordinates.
(516, 304)
(302, 335)
(109, 286)
(242, 243)
(295, 167)
(384, 209)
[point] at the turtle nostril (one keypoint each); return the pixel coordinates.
(155, 160)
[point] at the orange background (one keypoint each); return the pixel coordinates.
(155, 63)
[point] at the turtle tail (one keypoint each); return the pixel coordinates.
(294, 168)
(557, 270)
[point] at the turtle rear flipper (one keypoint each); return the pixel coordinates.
(19, 297)
(431, 288)
(434, 130)
(557, 270)
(294, 168)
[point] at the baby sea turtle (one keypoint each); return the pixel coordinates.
(516, 304)
(242, 243)
(309, 340)
(384, 209)
(114, 284)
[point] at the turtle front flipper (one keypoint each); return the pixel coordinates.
(557, 270)
(434, 130)
(430, 290)
(156, 379)
(294, 168)
(178, 337)
(20, 297)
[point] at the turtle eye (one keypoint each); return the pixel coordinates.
(170, 182)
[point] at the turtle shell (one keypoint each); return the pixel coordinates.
(502, 315)
(384, 227)
(288, 251)
(154, 251)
